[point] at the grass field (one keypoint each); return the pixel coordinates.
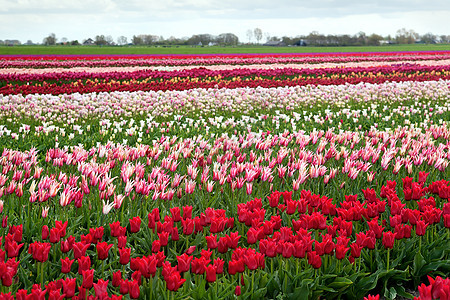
(118, 50)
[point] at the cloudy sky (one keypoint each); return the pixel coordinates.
(80, 19)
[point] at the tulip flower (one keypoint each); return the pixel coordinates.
(102, 250)
(66, 265)
(88, 278)
(100, 289)
(135, 224)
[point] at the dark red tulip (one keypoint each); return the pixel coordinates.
(69, 285)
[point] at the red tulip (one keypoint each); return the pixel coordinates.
(61, 227)
(40, 251)
(184, 262)
(122, 241)
(341, 251)
(176, 213)
(101, 289)
(314, 259)
(102, 250)
(116, 229)
(174, 281)
(135, 224)
(421, 227)
(156, 246)
(69, 285)
(388, 239)
(218, 264)
(211, 273)
(211, 241)
(188, 226)
(88, 278)
(370, 297)
(84, 264)
(124, 254)
(133, 289)
(66, 265)
(187, 212)
(124, 287)
(237, 290)
(45, 232)
(117, 278)
(355, 250)
(79, 249)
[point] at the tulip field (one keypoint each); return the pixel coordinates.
(235, 176)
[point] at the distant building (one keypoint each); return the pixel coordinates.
(89, 42)
(300, 43)
(275, 44)
(12, 42)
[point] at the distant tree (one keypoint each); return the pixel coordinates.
(137, 40)
(109, 40)
(100, 40)
(445, 38)
(374, 39)
(50, 40)
(63, 40)
(227, 39)
(287, 40)
(258, 34)
(122, 40)
(200, 39)
(406, 36)
(249, 35)
(74, 43)
(361, 38)
(429, 38)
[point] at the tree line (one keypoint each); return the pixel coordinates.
(254, 37)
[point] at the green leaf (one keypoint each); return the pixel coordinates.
(418, 263)
(340, 282)
(401, 292)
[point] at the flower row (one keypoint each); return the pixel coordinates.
(309, 230)
(159, 60)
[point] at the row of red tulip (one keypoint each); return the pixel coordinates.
(315, 221)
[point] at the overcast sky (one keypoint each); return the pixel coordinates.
(80, 19)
